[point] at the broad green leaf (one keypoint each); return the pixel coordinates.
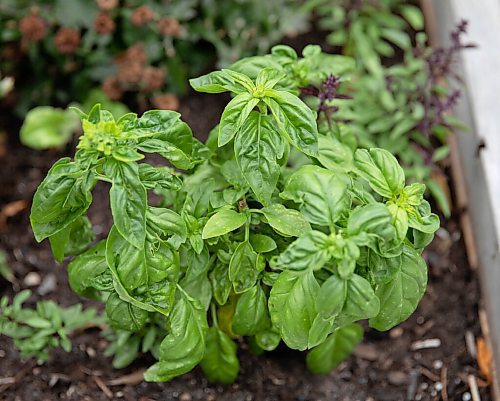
(216, 82)
(223, 222)
(184, 346)
(400, 296)
(123, 315)
(292, 306)
(128, 201)
(337, 347)
(295, 120)
(155, 178)
(268, 339)
(320, 193)
(251, 315)
(310, 251)
(220, 363)
(221, 285)
(258, 148)
(72, 240)
(234, 116)
(334, 155)
(62, 197)
(85, 268)
(381, 170)
(243, 268)
(347, 300)
(128, 261)
(165, 222)
(285, 221)
(399, 220)
(262, 243)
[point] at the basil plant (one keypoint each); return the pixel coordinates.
(276, 229)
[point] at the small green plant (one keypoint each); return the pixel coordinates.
(36, 331)
(276, 229)
(368, 29)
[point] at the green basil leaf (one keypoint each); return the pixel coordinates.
(268, 339)
(183, 348)
(399, 220)
(128, 201)
(334, 155)
(400, 296)
(381, 170)
(165, 222)
(128, 261)
(285, 221)
(243, 268)
(320, 193)
(62, 197)
(215, 82)
(347, 300)
(221, 285)
(262, 243)
(234, 116)
(337, 347)
(86, 268)
(251, 315)
(220, 362)
(72, 240)
(258, 148)
(292, 306)
(420, 218)
(168, 150)
(310, 251)
(223, 222)
(295, 120)
(123, 315)
(155, 178)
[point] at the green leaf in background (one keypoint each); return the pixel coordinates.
(220, 362)
(337, 347)
(48, 127)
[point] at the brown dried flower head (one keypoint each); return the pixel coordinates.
(107, 5)
(142, 15)
(136, 53)
(32, 27)
(112, 88)
(169, 26)
(67, 40)
(167, 101)
(104, 24)
(130, 72)
(153, 79)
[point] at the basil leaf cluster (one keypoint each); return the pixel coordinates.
(276, 229)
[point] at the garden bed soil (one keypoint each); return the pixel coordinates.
(385, 366)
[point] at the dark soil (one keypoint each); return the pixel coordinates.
(384, 367)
